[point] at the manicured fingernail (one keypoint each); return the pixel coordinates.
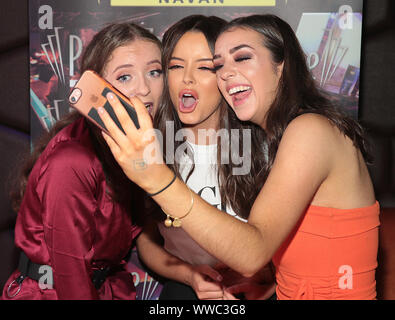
(110, 96)
(100, 110)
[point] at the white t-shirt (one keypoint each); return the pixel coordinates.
(204, 182)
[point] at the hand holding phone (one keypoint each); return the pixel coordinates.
(90, 93)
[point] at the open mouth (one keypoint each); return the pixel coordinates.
(188, 100)
(239, 94)
(239, 89)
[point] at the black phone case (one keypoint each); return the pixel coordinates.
(107, 106)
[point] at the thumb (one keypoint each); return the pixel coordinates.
(210, 272)
(228, 295)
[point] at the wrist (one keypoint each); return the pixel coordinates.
(165, 187)
(188, 276)
(157, 179)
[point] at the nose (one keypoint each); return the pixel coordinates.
(142, 88)
(226, 72)
(188, 77)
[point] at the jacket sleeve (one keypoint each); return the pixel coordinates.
(67, 187)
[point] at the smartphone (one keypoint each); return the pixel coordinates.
(89, 94)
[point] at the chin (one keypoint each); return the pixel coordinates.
(244, 114)
(188, 119)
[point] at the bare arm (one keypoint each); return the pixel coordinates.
(157, 259)
(202, 278)
(303, 162)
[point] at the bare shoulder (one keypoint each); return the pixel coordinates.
(311, 131)
(309, 123)
(307, 149)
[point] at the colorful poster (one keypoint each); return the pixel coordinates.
(329, 32)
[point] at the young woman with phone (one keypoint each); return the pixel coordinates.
(193, 103)
(78, 212)
(315, 214)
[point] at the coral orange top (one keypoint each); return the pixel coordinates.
(331, 254)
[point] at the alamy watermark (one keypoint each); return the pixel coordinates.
(235, 146)
(46, 280)
(345, 281)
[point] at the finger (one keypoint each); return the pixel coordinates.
(145, 120)
(203, 283)
(116, 134)
(209, 287)
(122, 115)
(210, 295)
(115, 149)
(210, 272)
(229, 296)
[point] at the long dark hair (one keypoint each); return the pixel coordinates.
(235, 190)
(297, 92)
(95, 57)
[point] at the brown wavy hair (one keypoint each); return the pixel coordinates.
(238, 191)
(95, 56)
(297, 92)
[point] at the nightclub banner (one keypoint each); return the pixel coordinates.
(329, 32)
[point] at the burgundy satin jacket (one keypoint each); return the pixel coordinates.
(67, 220)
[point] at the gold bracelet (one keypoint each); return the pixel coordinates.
(176, 221)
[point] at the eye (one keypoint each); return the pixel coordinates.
(124, 78)
(205, 68)
(175, 66)
(156, 73)
(242, 58)
(217, 67)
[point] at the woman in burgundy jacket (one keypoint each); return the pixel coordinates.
(78, 211)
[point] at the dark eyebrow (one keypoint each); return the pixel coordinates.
(240, 47)
(233, 50)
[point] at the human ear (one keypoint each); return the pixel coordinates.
(279, 69)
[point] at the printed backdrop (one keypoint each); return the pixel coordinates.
(329, 32)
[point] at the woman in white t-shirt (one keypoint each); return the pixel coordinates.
(202, 155)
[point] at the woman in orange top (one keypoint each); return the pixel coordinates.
(315, 211)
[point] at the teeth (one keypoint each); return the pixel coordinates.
(238, 89)
(187, 95)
